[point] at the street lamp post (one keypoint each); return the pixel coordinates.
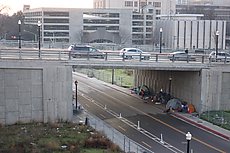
(217, 37)
(76, 82)
(39, 39)
(19, 34)
(188, 138)
(161, 30)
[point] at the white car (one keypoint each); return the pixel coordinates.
(221, 56)
(134, 53)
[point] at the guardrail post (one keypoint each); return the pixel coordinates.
(123, 57)
(69, 55)
(187, 58)
(202, 59)
(156, 57)
(225, 59)
(87, 55)
(59, 55)
(173, 58)
(140, 57)
(20, 53)
(0, 53)
(106, 56)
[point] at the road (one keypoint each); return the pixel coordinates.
(95, 96)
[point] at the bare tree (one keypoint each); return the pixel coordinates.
(125, 36)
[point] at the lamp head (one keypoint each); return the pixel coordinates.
(161, 30)
(39, 23)
(188, 136)
(217, 33)
(19, 22)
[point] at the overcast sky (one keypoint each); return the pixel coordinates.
(16, 5)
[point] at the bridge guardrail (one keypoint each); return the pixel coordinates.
(61, 54)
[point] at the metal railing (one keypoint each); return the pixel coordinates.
(61, 54)
(124, 142)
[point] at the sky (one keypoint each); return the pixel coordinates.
(17, 5)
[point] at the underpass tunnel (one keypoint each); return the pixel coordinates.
(184, 85)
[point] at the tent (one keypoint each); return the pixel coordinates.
(174, 104)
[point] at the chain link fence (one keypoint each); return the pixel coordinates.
(125, 143)
(217, 117)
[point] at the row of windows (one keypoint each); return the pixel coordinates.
(142, 29)
(56, 34)
(56, 20)
(56, 40)
(32, 14)
(96, 27)
(63, 14)
(135, 4)
(141, 17)
(141, 23)
(92, 21)
(105, 15)
(56, 27)
(141, 36)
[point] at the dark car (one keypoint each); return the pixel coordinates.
(85, 51)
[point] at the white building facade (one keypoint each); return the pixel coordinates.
(192, 34)
(119, 26)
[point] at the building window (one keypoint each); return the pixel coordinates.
(137, 30)
(149, 23)
(150, 10)
(158, 12)
(143, 4)
(149, 17)
(128, 3)
(137, 23)
(157, 4)
(135, 4)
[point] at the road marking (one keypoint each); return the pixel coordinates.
(102, 115)
(146, 144)
(87, 105)
(179, 131)
(122, 128)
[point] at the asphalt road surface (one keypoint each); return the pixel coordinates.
(143, 122)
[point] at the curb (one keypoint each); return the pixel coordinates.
(201, 126)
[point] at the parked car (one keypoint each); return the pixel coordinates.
(134, 53)
(221, 56)
(181, 56)
(85, 51)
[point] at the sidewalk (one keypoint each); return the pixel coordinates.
(207, 126)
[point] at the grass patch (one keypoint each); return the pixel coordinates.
(122, 77)
(220, 118)
(55, 138)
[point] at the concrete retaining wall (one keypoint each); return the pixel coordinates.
(33, 90)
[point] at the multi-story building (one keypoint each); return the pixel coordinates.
(161, 6)
(120, 26)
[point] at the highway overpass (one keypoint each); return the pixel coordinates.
(40, 89)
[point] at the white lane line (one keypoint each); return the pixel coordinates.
(146, 144)
(87, 105)
(122, 128)
(102, 115)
